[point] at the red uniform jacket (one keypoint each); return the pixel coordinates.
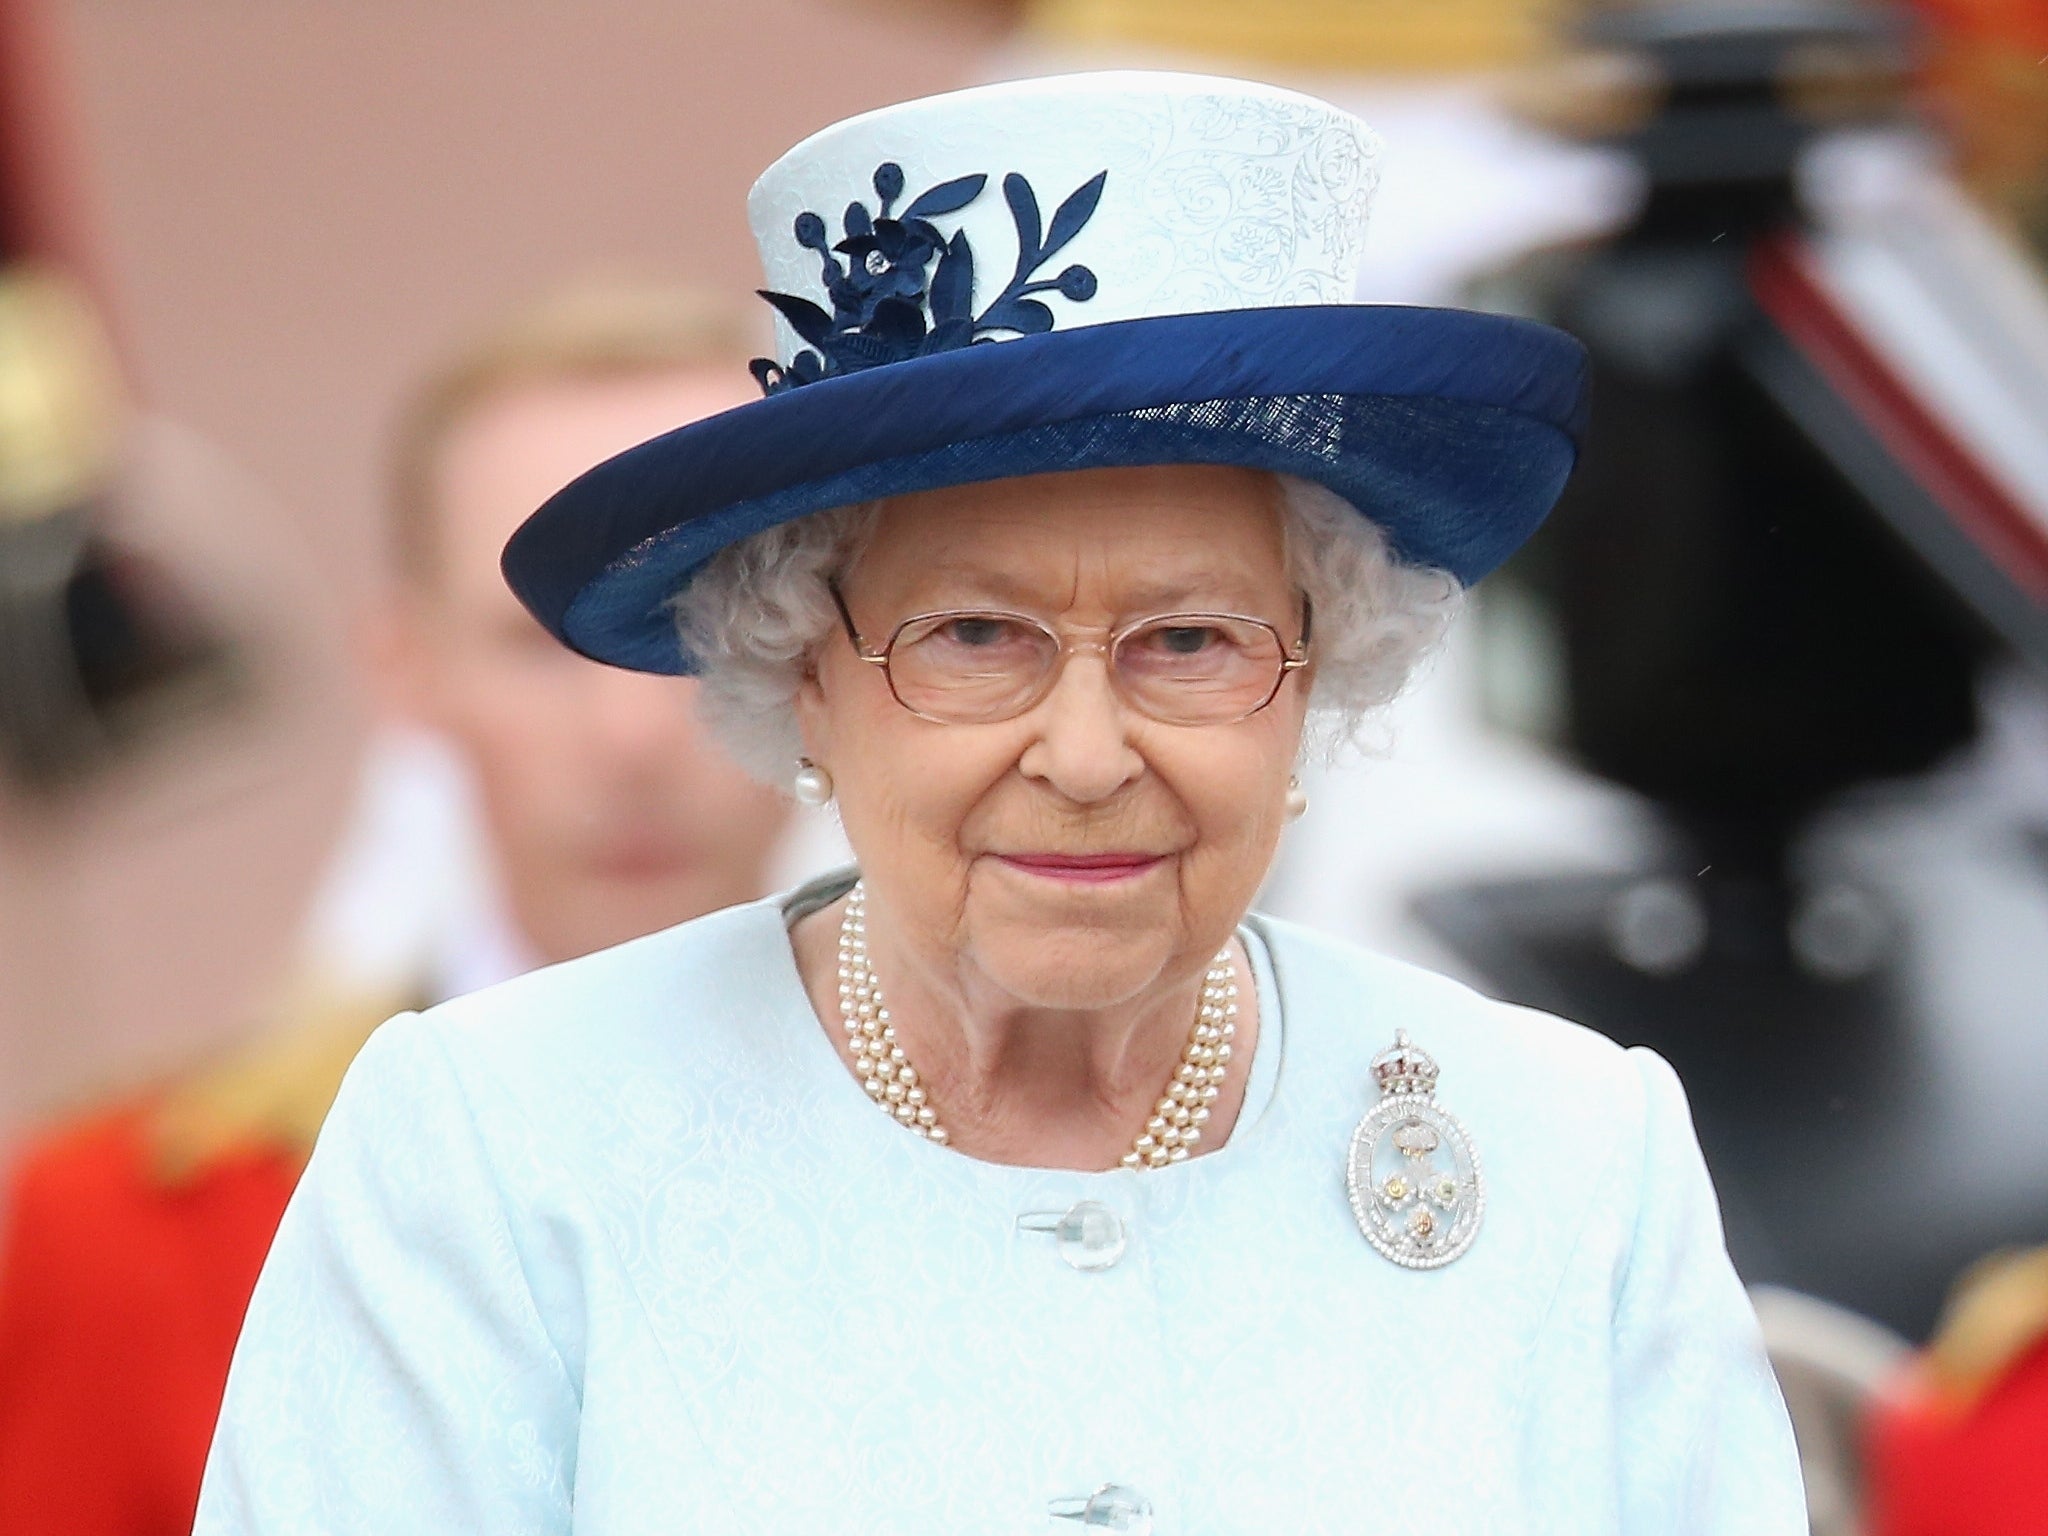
(1961, 1447)
(133, 1241)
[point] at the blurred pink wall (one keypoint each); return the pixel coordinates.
(295, 205)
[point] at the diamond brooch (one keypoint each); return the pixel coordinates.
(1413, 1176)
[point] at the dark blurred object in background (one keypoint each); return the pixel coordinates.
(1807, 543)
(98, 653)
(1743, 638)
(154, 845)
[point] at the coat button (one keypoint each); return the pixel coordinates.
(1112, 1507)
(1089, 1236)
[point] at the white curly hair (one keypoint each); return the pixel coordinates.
(753, 616)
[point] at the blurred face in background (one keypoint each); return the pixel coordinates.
(610, 809)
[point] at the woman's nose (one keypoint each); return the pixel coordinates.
(1083, 746)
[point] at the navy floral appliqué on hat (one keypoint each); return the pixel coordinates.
(884, 307)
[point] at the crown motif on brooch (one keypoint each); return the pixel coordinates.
(1404, 1067)
(890, 303)
(1413, 1175)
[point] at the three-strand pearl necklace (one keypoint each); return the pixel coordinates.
(1177, 1120)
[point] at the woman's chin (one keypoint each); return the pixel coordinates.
(1071, 968)
(1053, 942)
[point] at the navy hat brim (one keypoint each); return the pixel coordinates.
(1454, 431)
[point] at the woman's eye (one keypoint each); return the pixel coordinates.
(1171, 643)
(1185, 639)
(1188, 649)
(979, 632)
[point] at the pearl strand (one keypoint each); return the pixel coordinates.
(1182, 1114)
(884, 1071)
(1176, 1124)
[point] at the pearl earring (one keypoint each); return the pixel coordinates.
(811, 784)
(1297, 800)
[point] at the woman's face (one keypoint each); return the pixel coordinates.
(967, 833)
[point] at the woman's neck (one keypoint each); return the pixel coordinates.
(1018, 1084)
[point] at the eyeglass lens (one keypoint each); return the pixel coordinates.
(1180, 669)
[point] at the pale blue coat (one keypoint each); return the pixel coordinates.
(620, 1249)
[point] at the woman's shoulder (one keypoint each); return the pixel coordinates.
(1588, 1145)
(704, 994)
(1553, 1104)
(727, 957)
(1336, 993)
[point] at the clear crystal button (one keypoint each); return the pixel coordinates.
(1090, 1236)
(1112, 1507)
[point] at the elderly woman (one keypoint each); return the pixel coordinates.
(1022, 1181)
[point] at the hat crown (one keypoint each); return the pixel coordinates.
(1054, 203)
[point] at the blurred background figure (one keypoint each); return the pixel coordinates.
(136, 1231)
(1973, 1407)
(603, 811)
(170, 665)
(288, 216)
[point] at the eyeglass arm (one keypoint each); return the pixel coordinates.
(860, 647)
(1300, 656)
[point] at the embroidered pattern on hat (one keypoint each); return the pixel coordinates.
(890, 304)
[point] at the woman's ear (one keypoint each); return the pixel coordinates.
(813, 716)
